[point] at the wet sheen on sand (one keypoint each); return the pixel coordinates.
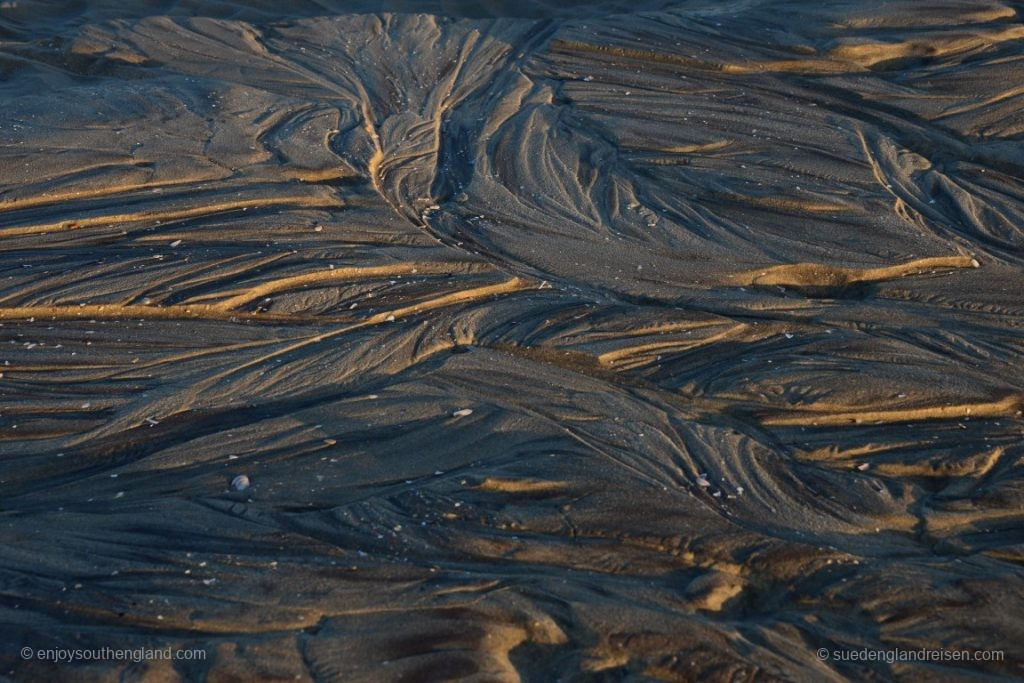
(512, 341)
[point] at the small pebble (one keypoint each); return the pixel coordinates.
(463, 412)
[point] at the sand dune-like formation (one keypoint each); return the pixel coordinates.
(426, 340)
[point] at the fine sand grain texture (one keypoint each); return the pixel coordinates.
(421, 340)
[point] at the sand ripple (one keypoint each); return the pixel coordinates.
(730, 292)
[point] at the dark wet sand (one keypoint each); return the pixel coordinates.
(733, 291)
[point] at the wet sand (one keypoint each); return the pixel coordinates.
(557, 340)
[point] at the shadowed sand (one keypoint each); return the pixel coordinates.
(557, 340)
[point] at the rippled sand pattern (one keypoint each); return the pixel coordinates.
(612, 341)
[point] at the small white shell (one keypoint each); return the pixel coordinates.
(240, 483)
(463, 412)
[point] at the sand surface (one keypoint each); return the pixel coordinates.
(557, 340)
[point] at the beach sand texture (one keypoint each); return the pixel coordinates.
(554, 340)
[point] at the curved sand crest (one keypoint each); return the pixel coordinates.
(704, 276)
